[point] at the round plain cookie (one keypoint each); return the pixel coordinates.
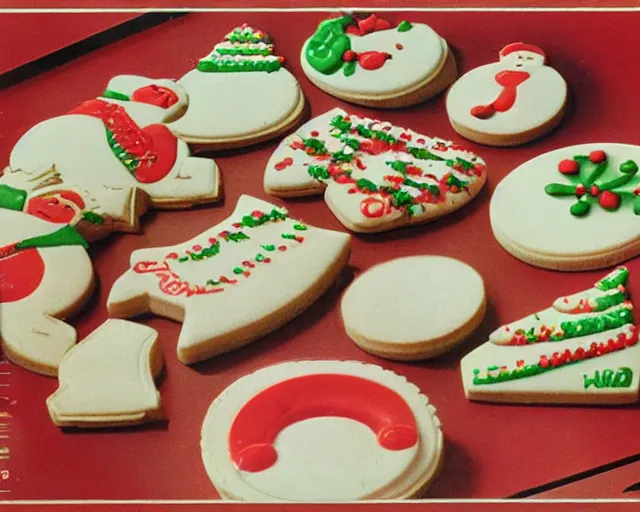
(510, 102)
(575, 208)
(370, 62)
(327, 430)
(414, 308)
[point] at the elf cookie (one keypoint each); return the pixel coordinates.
(575, 208)
(99, 167)
(107, 379)
(413, 308)
(510, 102)
(371, 62)
(45, 276)
(327, 431)
(240, 94)
(375, 176)
(235, 282)
(583, 349)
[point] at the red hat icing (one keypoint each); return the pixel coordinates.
(521, 47)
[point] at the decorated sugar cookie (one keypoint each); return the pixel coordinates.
(372, 62)
(101, 165)
(107, 378)
(583, 349)
(327, 431)
(375, 176)
(389, 311)
(234, 283)
(575, 208)
(510, 102)
(239, 94)
(45, 276)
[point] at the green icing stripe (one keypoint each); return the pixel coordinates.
(232, 65)
(68, 235)
(596, 324)
(12, 198)
(115, 95)
(618, 277)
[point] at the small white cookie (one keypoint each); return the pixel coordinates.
(370, 62)
(327, 431)
(106, 380)
(240, 94)
(414, 308)
(45, 276)
(576, 208)
(237, 281)
(582, 350)
(510, 102)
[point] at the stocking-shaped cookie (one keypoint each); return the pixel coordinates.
(509, 102)
(583, 349)
(45, 275)
(239, 94)
(106, 163)
(235, 282)
(377, 176)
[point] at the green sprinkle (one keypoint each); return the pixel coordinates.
(404, 26)
(300, 227)
(269, 247)
(288, 236)
(238, 270)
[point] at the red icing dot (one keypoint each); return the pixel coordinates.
(349, 56)
(569, 167)
(315, 133)
(420, 141)
(352, 191)
(594, 190)
(597, 156)
(212, 241)
(172, 256)
(397, 437)
(197, 247)
(609, 200)
(282, 248)
(580, 190)
(373, 60)
(399, 46)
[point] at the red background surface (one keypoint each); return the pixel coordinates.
(491, 451)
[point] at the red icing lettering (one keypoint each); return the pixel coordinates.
(509, 80)
(372, 207)
(21, 273)
(144, 267)
(313, 396)
(162, 97)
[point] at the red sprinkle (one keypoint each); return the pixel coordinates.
(399, 46)
(172, 256)
(315, 133)
(282, 248)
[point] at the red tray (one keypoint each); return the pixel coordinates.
(491, 451)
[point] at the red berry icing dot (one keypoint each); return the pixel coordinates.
(569, 167)
(609, 200)
(315, 133)
(594, 190)
(580, 190)
(597, 156)
(349, 56)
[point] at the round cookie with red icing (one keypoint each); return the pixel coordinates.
(509, 102)
(575, 208)
(414, 308)
(326, 430)
(372, 62)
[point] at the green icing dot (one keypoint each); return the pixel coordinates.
(404, 26)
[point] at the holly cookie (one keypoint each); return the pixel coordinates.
(45, 276)
(375, 176)
(240, 94)
(389, 311)
(327, 430)
(234, 283)
(99, 167)
(371, 62)
(509, 102)
(576, 208)
(583, 349)
(107, 379)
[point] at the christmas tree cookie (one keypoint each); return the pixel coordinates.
(321, 431)
(372, 62)
(240, 94)
(583, 349)
(45, 276)
(375, 176)
(575, 208)
(509, 102)
(101, 165)
(235, 282)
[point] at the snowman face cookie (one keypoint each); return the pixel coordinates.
(377, 176)
(511, 102)
(328, 431)
(240, 94)
(235, 282)
(104, 162)
(370, 62)
(576, 208)
(45, 274)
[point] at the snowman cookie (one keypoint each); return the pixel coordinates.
(510, 102)
(327, 431)
(240, 94)
(234, 283)
(413, 308)
(107, 378)
(576, 208)
(101, 165)
(45, 276)
(583, 349)
(371, 62)
(375, 176)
